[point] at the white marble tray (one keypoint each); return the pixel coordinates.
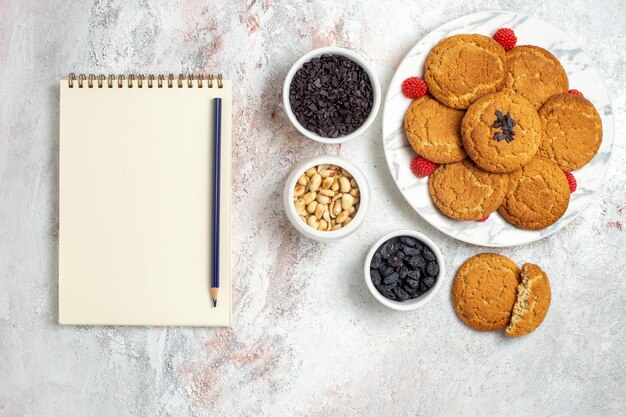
(582, 75)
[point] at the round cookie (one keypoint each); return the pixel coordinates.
(535, 74)
(538, 198)
(462, 68)
(484, 133)
(532, 302)
(434, 130)
(484, 291)
(463, 191)
(572, 131)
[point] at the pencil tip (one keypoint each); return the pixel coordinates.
(214, 303)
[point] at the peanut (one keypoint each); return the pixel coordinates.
(342, 217)
(346, 201)
(325, 173)
(326, 197)
(323, 199)
(315, 182)
(298, 190)
(319, 211)
(313, 222)
(344, 185)
(308, 197)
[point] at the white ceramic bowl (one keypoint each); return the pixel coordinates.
(307, 230)
(332, 51)
(422, 299)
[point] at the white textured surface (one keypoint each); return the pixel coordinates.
(308, 338)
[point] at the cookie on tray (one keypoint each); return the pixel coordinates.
(434, 130)
(484, 291)
(463, 191)
(532, 302)
(572, 131)
(462, 68)
(501, 132)
(535, 74)
(538, 198)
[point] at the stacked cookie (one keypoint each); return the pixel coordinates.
(504, 129)
(491, 293)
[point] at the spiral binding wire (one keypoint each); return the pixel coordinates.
(92, 80)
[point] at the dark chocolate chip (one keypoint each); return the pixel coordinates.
(331, 95)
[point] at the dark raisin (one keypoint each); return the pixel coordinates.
(415, 274)
(376, 261)
(417, 262)
(385, 250)
(375, 275)
(402, 295)
(386, 270)
(412, 282)
(408, 241)
(411, 251)
(392, 279)
(428, 281)
(403, 272)
(395, 262)
(432, 268)
(428, 254)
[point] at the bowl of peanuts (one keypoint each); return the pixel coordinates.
(326, 198)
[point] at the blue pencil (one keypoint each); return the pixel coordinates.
(217, 158)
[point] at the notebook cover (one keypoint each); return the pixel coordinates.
(135, 206)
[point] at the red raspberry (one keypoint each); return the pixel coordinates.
(571, 181)
(482, 220)
(506, 38)
(422, 167)
(414, 87)
(576, 93)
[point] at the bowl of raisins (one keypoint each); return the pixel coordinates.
(403, 270)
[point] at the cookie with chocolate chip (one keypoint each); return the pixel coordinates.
(501, 132)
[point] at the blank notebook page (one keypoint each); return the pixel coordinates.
(135, 206)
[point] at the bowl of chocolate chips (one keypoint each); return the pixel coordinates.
(331, 95)
(404, 270)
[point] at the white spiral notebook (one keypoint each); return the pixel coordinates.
(135, 201)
